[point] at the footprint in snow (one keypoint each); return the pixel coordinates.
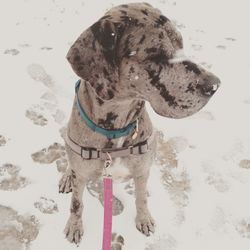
(54, 153)
(175, 180)
(246, 101)
(117, 242)
(200, 31)
(48, 101)
(12, 52)
(24, 45)
(214, 178)
(218, 183)
(178, 186)
(16, 231)
(49, 97)
(59, 116)
(95, 188)
(218, 220)
(36, 117)
(165, 154)
(130, 187)
(46, 206)
(232, 39)
(46, 48)
(167, 243)
(196, 47)
(49, 154)
(245, 163)
(3, 141)
(38, 73)
(236, 151)
(221, 47)
(243, 228)
(10, 179)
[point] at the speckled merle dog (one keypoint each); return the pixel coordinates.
(124, 59)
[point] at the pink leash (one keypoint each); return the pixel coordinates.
(108, 196)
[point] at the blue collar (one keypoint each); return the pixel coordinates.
(112, 134)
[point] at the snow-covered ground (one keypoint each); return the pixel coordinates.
(200, 182)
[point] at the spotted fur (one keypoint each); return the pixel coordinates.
(124, 59)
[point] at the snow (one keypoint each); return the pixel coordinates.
(211, 211)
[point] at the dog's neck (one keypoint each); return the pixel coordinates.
(108, 114)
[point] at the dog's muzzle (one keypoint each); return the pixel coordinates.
(209, 86)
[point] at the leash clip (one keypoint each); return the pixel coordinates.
(107, 164)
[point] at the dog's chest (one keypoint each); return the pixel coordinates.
(118, 169)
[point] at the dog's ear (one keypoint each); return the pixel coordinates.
(93, 57)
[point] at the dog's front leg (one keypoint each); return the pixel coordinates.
(74, 229)
(144, 221)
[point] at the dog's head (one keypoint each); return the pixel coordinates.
(132, 53)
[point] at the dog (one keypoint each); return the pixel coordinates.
(129, 56)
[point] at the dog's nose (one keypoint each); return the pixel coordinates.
(210, 85)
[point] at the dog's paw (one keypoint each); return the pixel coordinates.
(74, 230)
(145, 223)
(117, 242)
(65, 184)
